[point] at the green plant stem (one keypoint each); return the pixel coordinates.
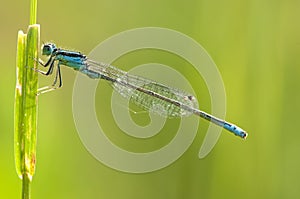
(26, 102)
(25, 187)
(33, 11)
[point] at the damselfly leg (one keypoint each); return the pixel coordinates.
(51, 64)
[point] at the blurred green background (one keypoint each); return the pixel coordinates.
(255, 45)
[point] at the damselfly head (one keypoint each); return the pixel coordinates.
(48, 49)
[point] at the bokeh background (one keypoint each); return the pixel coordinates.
(255, 44)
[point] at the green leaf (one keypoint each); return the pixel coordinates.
(18, 142)
(26, 105)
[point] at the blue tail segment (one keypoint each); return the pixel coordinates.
(235, 130)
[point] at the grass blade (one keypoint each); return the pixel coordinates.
(18, 142)
(26, 106)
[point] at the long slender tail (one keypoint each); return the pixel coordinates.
(226, 125)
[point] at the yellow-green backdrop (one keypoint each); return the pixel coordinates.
(256, 46)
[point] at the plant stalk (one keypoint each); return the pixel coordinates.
(25, 127)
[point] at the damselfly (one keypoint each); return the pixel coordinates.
(147, 94)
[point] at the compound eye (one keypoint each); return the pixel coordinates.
(47, 50)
